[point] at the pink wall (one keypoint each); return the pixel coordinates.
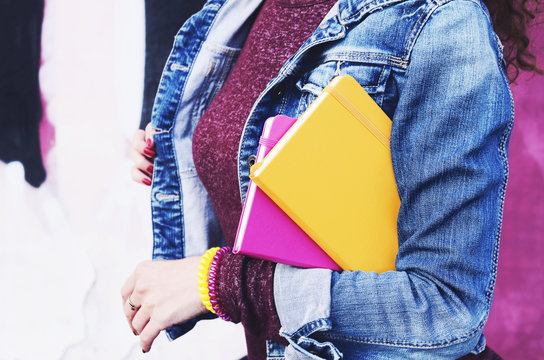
(516, 325)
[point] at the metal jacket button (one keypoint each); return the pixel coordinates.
(251, 161)
(278, 91)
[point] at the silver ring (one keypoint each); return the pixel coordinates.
(132, 306)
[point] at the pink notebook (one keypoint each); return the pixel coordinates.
(265, 231)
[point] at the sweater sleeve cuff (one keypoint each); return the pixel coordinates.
(246, 291)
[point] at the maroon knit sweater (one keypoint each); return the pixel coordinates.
(245, 284)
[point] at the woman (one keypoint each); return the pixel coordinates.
(436, 68)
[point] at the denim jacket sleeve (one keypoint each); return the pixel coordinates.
(449, 140)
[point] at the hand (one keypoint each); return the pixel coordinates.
(143, 155)
(163, 293)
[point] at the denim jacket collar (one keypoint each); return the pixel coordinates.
(351, 11)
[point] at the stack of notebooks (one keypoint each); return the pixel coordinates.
(322, 192)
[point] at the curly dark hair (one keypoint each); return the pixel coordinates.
(511, 20)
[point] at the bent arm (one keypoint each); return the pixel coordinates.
(449, 150)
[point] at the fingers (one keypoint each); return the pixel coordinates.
(142, 171)
(130, 313)
(141, 324)
(142, 154)
(142, 146)
(128, 287)
(159, 294)
(128, 309)
(140, 177)
(140, 319)
(142, 163)
(148, 335)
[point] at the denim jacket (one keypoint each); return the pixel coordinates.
(436, 68)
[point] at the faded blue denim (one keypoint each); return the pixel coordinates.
(436, 68)
(184, 220)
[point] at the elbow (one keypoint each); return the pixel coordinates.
(449, 316)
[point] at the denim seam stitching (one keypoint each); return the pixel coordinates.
(409, 344)
(414, 34)
(378, 84)
(194, 58)
(381, 82)
(167, 65)
(378, 58)
(170, 146)
(178, 179)
(309, 328)
(153, 223)
(373, 6)
(283, 104)
(200, 101)
(177, 99)
(222, 50)
(291, 66)
(502, 196)
(416, 30)
(302, 102)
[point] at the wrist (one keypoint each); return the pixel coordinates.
(213, 285)
(203, 273)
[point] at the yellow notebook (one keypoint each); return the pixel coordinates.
(332, 174)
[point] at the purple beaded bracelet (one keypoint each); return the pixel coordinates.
(218, 309)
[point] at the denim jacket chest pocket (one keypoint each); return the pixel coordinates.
(375, 79)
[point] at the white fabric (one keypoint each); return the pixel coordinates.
(67, 247)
